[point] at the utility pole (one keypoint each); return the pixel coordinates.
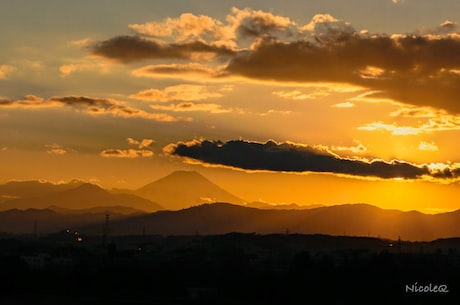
(35, 230)
(106, 229)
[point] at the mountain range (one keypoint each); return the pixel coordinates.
(180, 189)
(186, 203)
(83, 196)
(338, 220)
(221, 218)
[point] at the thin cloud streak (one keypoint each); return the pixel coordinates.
(90, 105)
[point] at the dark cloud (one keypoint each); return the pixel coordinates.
(416, 70)
(82, 101)
(134, 48)
(289, 157)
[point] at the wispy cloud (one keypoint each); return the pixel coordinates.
(141, 150)
(6, 71)
(432, 125)
(427, 146)
(193, 71)
(192, 107)
(56, 149)
(359, 148)
(182, 92)
(90, 105)
(144, 143)
(88, 65)
(126, 153)
(344, 105)
(83, 42)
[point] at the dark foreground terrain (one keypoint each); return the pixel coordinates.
(234, 268)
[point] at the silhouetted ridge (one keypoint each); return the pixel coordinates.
(33, 188)
(83, 196)
(349, 219)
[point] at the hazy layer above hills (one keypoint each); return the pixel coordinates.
(83, 196)
(32, 188)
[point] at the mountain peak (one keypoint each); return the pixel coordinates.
(89, 187)
(183, 174)
(182, 189)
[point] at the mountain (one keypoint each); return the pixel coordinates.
(348, 219)
(83, 196)
(281, 206)
(221, 218)
(33, 188)
(182, 189)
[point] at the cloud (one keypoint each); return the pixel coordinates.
(140, 152)
(69, 69)
(188, 27)
(426, 146)
(344, 105)
(144, 143)
(190, 107)
(420, 68)
(6, 71)
(192, 35)
(413, 69)
(55, 149)
(294, 95)
(83, 101)
(127, 153)
(418, 112)
(182, 92)
(248, 23)
(272, 111)
(448, 27)
(90, 105)
(289, 157)
(358, 149)
(441, 123)
(134, 48)
(394, 129)
(83, 42)
(192, 71)
(28, 101)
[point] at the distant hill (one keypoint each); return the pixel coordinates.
(349, 219)
(281, 206)
(83, 196)
(182, 189)
(221, 218)
(33, 188)
(122, 210)
(47, 221)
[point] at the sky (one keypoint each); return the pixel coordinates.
(308, 102)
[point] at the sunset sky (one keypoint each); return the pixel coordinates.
(312, 102)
